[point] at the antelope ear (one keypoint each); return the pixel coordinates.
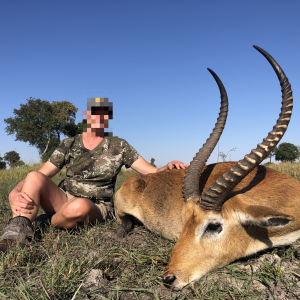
(140, 185)
(263, 216)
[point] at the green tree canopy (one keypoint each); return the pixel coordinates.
(19, 164)
(152, 162)
(286, 152)
(2, 164)
(41, 123)
(74, 129)
(11, 157)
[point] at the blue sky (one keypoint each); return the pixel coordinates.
(150, 58)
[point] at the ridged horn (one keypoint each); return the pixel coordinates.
(190, 187)
(214, 196)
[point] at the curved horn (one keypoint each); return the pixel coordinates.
(190, 187)
(214, 196)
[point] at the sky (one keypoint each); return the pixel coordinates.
(150, 58)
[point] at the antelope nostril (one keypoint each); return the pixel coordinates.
(169, 280)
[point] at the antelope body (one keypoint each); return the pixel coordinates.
(220, 212)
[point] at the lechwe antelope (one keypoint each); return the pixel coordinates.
(244, 208)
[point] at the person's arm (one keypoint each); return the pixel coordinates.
(143, 167)
(23, 199)
(49, 169)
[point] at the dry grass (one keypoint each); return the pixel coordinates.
(289, 168)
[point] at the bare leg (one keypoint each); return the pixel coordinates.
(43, 191)
(75, 212)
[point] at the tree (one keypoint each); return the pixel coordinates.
(286, 152)
(41, 123)
(298, 147)
(74, 129)
(2, 164)
(152, 162)
(65, 113)
(51, 147)
(19, 164)
(224, 156)
(272, 153)
(11, 157)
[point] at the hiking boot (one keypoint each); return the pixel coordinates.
(19, 230)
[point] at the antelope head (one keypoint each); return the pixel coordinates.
(217, 231)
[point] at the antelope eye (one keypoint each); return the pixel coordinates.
(214, 227)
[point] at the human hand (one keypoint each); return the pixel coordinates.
(178, 164)
(20, 202)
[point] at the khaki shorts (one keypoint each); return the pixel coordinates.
(106, 208)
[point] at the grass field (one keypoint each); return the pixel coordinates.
(292, 169)
(93, 263)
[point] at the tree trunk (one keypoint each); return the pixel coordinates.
(58, 135)
(47, 144)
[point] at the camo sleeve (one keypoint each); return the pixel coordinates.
(60, 155)
(130, 155)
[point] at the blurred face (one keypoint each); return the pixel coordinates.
(96, 119)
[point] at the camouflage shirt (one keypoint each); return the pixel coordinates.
(93, 172)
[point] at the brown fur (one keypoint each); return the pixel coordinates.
(155, 199)
(263, 198)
